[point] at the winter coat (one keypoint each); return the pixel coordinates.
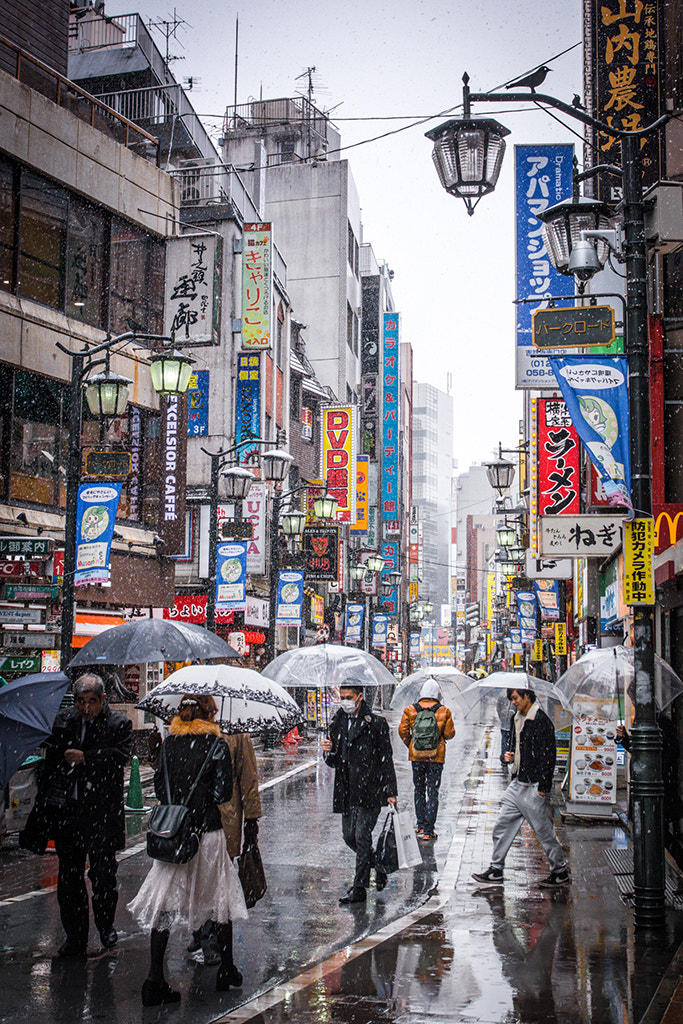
(183, 753)
(97, 783)
(245, 802)
(363, 761)
(444, 720)
(537, 749)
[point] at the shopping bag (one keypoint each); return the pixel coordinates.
(409, 855)
(386, 855)
(252, 875)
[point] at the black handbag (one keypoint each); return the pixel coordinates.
(171, 836)
(252, 875)
(386, 853)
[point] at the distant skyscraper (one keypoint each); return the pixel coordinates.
(432, 483)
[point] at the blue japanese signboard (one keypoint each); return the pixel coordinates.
(95, 519)
(290, 597)
(247, 404)
(231, 576)
(526, 614)
(390, 418)
(543, 177)
(354, 622)
(379, 630)
(198, 404)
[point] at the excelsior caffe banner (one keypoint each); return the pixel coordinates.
(339, 458)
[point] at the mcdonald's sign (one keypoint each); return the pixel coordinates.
(671, 520)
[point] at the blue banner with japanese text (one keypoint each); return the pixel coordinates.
(247, 405)
(354, 623)
(290, 597)
(391, 417)
(95, 519)
(231, 576)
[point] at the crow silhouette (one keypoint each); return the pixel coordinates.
(531, 80)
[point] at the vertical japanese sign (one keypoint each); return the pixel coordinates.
(339, 458)
(369, 407)
(596, 394)
(247, 405)
(526, 614)
(172, 473)
(558, 460)
(639, 546)
(257, 286)
(193, 289)
(134, 485)
(95, 519)
(560, 639)
(414, 646)
(198, 404)
(548, 597)
(627, 86)
(231, 576)
(354, 623)
(390, 551)
(360, 526)
(390, 417)
(543, 177)
(290, 597)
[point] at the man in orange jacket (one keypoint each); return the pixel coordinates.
(424, 729)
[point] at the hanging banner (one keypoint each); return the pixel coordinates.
(543, 177)
(231, 576)
(548, 597)
(339, 458)
(257, 285)
(290, 597)
(198, 404)
(391, 419)
(247, 406)
(559, 491)
(172, 473)
(596, 394)
(95, 519)
(354, 623)
(193, 289)
(379, 630)
(560, 639)
(526, 614)
(639, 548)
(414, 648)
(360, 526)
(320, 553)
(516, 641)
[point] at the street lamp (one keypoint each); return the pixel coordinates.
(647, 786)
(107, 395)
(170, 372)
(325, 507)
(374, 562)
(500, 475)
(505, 535)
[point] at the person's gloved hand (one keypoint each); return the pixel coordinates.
(250, 830)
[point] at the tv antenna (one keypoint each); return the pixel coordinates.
(169, 30)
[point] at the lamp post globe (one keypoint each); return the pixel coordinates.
(500, 475)
(276, 463)
(375, 563)
(468, 155)
(505, 535)
(325, 507)
(293, 523)
(235, 483)
(170, 372)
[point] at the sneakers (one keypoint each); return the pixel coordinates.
(492, 876)
(426, 837)
(556, 879)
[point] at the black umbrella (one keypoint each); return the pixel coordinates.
(28, 708)
(152, 640)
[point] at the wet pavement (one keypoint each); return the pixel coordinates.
(431, 947)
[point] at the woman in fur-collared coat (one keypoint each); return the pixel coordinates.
(208, 886)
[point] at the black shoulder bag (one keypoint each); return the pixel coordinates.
(171, 836)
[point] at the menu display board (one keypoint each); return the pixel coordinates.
(593, 766)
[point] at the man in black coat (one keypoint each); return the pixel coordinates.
(359, 749)
(86, 755)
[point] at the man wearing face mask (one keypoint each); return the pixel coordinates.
(359, 749)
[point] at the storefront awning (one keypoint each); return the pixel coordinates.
(90, 623)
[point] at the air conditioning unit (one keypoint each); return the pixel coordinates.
(199, 181)
(664, 217)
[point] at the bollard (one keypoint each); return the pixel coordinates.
(134, 798)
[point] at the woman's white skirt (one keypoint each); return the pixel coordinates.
(207, 888)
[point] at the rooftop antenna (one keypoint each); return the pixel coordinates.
(169, 29)
(237, 39)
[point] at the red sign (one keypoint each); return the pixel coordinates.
(58, 566)
(192, 608)
(558, 460)
(35, 569)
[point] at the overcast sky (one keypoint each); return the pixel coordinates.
(454, 282)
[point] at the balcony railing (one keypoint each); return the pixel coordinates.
(30, 71)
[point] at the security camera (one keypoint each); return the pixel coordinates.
(22, 518)
(584, 262)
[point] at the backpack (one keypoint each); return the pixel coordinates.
(425, 734)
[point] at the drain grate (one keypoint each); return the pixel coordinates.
(621, 863)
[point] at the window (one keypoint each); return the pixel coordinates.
(42, 234)
(86, 263)
(353, 251)
(306, 423)
(137, 280)
(39, 439)
(350, 317)
(7, 225)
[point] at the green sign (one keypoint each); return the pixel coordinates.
(573, 327)
(20, 664)
(28, 592)
(26, 547)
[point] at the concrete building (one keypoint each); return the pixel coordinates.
(432, 486)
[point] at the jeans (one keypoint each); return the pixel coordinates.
(357, 826)
(426, 782)
(521, 802)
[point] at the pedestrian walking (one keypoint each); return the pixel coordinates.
(80, 807)
(207, 887)
(532, 755)
(506, 712)
(359, 749)
(424, 728)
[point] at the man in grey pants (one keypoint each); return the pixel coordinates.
(532, 756)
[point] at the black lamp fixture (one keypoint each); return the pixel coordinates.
(276, 464)
(357, 572)
(293, 523)
(500, 474)
(170, 372)
(468, 154)
(235, 483)
(505, 534)
(325, 507)
(428, 607)
(107, 394)
(563, 224)
(374, 562)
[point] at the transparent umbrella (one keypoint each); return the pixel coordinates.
(326, 665)
(451, 682)
(597, 682)
(246, 702)
(499, 681)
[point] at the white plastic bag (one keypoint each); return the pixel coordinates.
(409, 855)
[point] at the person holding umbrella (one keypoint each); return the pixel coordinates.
(194, 768)
(359, 749)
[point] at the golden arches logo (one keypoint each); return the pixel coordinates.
(673, 526)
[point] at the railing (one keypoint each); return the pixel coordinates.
(202, 184)
(32, 72)
(295, 111)
(122, 32)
